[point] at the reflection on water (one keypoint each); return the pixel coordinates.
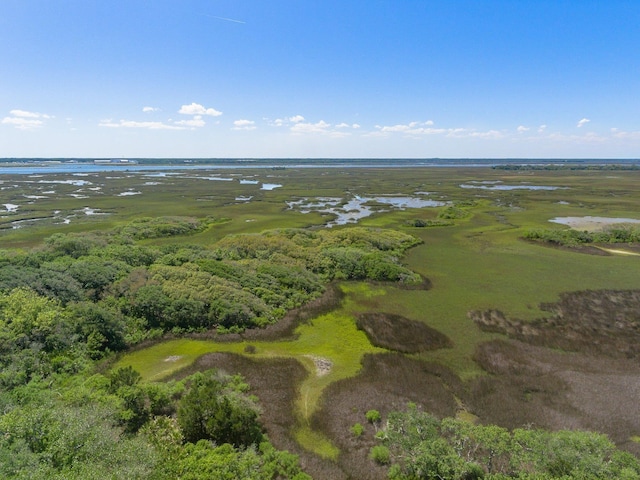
(12, 208)
(77, 183)
(270, 186)
(407, 202)
(357, 207)
(37, 187)
(511, 187)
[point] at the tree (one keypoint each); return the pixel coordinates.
(101, 328)
(209, 412)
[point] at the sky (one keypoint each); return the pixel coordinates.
(320, 78)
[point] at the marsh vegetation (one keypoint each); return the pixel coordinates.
(117, 323)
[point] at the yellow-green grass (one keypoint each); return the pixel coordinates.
(333, 337)
(163, 359)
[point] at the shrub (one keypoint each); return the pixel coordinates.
(210, 412)
(373, 416)
(380, 454)
(357, 429)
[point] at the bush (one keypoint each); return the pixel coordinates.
(357, 429)
(373, 416)
(209, 411)
(380, 454)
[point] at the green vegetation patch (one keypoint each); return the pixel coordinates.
(143, 228)
(421, 446)
(572, 237)
(103, 283)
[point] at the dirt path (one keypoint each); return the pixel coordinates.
(620, 252)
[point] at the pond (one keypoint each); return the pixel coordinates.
(511, 187)
(358, 207)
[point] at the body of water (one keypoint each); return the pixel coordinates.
(31, 166)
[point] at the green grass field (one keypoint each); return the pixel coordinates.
(478, 263)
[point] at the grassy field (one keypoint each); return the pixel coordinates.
(331, 341)
(480, 262)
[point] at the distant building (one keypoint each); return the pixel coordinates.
(115, 161)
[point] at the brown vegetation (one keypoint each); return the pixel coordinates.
(529, 383)
(547, 388)
(398, 333)
(596, 387)
(274, 381)
(386, 382)
(604, 322)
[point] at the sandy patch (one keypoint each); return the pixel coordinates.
(173, 358)
(590, 223)
(620, 252)
(323, 365)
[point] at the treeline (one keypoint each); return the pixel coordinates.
(571, 166)
(417, 445)
(573, 238)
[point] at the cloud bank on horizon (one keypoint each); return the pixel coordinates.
(443, 79)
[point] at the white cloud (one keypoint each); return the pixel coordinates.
(24, 120)
(319, 127)
(494, 134)
(150, 109)
(542, 128)
(413, 128)
(582, 122)
(457, 132)
(196, 121)
(134, 124)
(394, 128)
(244, 125)
(22, 123)
(26, 114)
(634, 135)
(417, 129)
(197, 109)
(346, 125)
(588, 138)
(280, 122)
(522, 129)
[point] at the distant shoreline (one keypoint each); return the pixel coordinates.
(90, 165)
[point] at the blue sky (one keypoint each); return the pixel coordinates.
(320, 78)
